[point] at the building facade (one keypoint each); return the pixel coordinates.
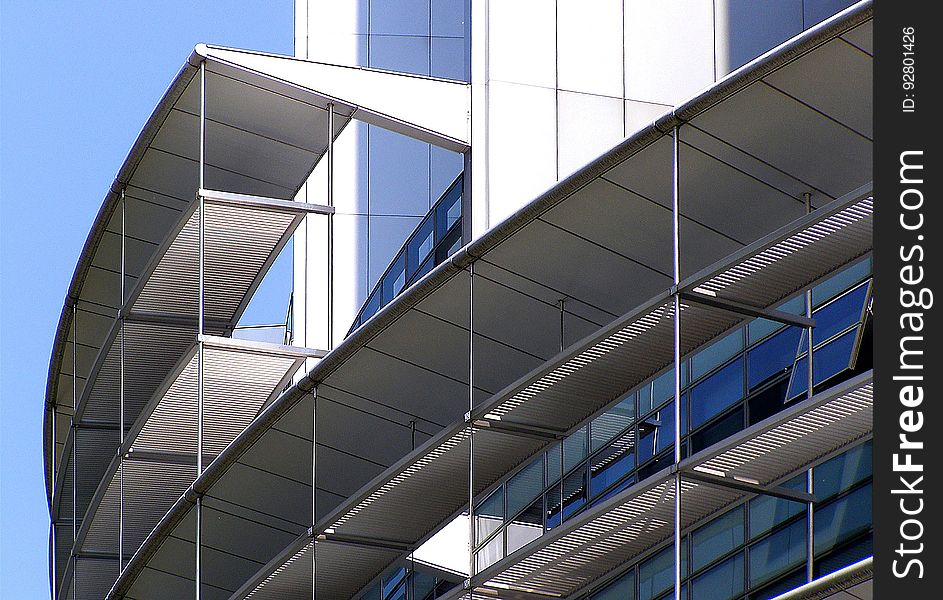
(557, 271)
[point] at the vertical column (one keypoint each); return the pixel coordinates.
(53, 583)
(676, 251)
(810, 546)
(330, 226)
(199, 392)
(121, 392)
(314, 492)
(75, 443)
(471, 429)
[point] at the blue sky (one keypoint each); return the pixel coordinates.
(77, 82)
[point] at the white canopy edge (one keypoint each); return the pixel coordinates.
(433, 110)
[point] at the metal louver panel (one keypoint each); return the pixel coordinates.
(580, 552)
(836, 235)
(239, 241)
(339, 572)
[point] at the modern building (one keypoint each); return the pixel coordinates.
(558, 268)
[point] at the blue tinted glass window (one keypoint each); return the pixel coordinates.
(778, 553)
(799, 380)
(796, 306)
(773, 356)
(489, 514)
(395, 278)
(574, 449)
(717, 538)
(553, 499)
(646, 442)
(371, 307)
(841, 281)
(663, 388)
(525, 486)
(420, 245)
(717, 431)
(612, 422)
(614, 491)
(665, 433)
(723, 582)
(767, 512)
(834, 357)
(758, 329)
(554, 463)
(839, 315)
(613, 463)
(860, 549)
(656, 574)
(840, 473)
(622, 588)
(842, 519)
(392, 580)
(717, 392)
(449, 211)
(448, 58)
(574, 492)
(422, 584)
(716, 354)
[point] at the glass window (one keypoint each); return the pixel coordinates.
(613, 463)
(716, 354)
(839, 314)
(574, 448)
(758, 329)
(612, 422)
(527, 526)
(717, 431)
(767, 512)
(392, 580)
(717, 538)
(622, 588)
(717, 392)
(773, 357)
(663, 388)
(574, 493)
(422, 584)
(840, 473)
(622, 486)
(656, 574)
(420, 246)
(842, 519)
(723, 582)
(395, 279)
(489, 515)
(778, 553)
(768, 402)
(837, 283)
(491, 553)
(449, 211)
(553, 500)
(554, 463)
(860, 549)
(665, 433)
(371, 307)
(834, 357)
(525, 486)
(448, 246)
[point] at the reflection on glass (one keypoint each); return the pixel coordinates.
(767, 512)
(491, 553)
(716, 354)
(717, 538)
(842, 472)
(613, 463)
(773, 357)
(717, 392)
(609, 424)
(842, 519)
(574, 449)
(622, 588)
(525, 486)
(723, 582)
(526, 527)
(778, 553)
(489, 515)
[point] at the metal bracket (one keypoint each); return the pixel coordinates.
(748, 310)
(519, 429)
(746, 486)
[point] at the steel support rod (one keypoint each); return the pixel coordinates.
(314, 491)
(200, 315)
(121, 390)
(75, 443)
(676, 255)
(810, 382)
(471, 428)
(330, 226)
